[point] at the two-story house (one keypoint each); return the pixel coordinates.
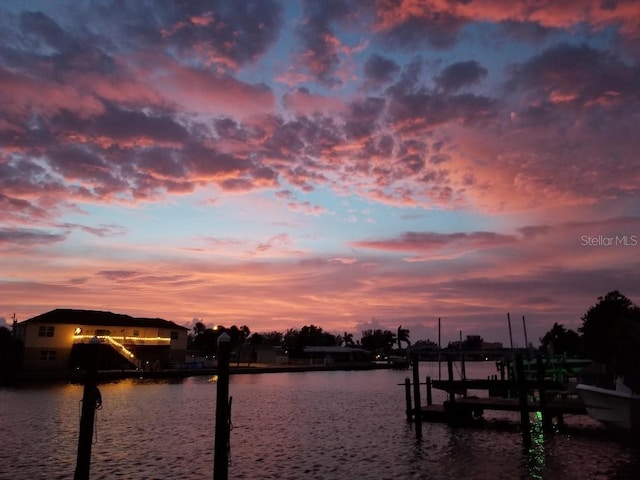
(56, 340)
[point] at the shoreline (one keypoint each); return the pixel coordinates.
(43, 377)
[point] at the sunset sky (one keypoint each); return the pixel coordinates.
(347, 164)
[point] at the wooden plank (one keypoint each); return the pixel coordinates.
(480, 384)
(575, 407)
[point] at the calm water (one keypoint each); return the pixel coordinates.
(314, 425)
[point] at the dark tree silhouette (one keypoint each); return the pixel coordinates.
(205, 342)
(273, 338)
(238, 338)
(348, 339)
(11, 351)
(198, 328)
(611, 336)
(559, 340)
(377, 340)
(307, 336)
(403, 337)
(255, 340)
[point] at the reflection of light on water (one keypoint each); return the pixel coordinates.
(536, 455)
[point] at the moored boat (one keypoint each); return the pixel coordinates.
(617, 408)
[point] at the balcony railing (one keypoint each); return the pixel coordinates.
(123, 340)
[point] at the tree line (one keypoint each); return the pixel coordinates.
(609, 335)
(293, 341)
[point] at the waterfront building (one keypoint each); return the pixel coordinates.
(330, 355)
(57, 340)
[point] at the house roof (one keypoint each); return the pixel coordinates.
(94, 317)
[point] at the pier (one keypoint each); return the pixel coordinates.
(519, 388)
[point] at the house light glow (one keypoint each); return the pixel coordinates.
(113, 340)
(122, 338)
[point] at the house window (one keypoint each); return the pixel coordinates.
(136, 333)
(102, 333)
(45, 331)
(174, 335)
(47, 355)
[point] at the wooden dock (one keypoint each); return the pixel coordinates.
(470, 407)
(518, 393)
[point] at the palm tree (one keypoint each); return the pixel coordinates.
(403, 336)
(348, 339)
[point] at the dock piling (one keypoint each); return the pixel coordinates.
(221, 446)
(525, 423)
(416, 397)
(504, 394)
(452, 393)
(407, 396)
(542, 392)
(90, 400)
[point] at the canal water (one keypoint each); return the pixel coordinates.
(305, 425)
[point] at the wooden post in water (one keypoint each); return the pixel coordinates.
(452, 394)
(501, 367)
(525, 423)
(542, 391)
(416, 397)
(463, 372)
(407, 397)
(90, 401)
(429, 397)
(221, 446)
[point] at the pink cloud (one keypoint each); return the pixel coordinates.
(306, 208)
(25, 96)
(555, 15)
(201, 91)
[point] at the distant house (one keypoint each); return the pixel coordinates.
(58, 340)
(263, 354)
(334, 354)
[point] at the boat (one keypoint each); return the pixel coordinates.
(395, 361)
(617, 408)
(399, 363)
